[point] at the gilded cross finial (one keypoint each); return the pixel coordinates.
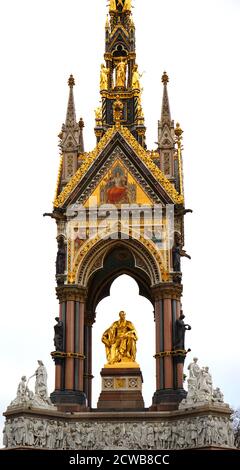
(71, 81)
(165, 78)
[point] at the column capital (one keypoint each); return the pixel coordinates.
(71, 292)
(167, 291)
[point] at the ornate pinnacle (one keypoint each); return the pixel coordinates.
(165, 78)
(81, 123)
(71, 114)
(107, 23)
(71, 81)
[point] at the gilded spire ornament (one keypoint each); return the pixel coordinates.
(178, 131)
(112, 5)
(127, 5)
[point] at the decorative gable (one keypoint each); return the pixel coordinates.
(118, 186)
(118, 143)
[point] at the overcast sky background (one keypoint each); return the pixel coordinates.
(197, 43)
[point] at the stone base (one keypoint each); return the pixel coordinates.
(205, 428)
(167, 399)
(68, 400)
(121, 389)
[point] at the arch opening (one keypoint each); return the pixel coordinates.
(124, 294)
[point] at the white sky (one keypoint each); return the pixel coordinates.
(197, 42)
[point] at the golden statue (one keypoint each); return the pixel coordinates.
(127, 5)
(118, 110)
(112, 5)
(104, 77)
(135, 78)
(120, 341)
(121, 74)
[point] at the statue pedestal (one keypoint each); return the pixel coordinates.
(121, 387)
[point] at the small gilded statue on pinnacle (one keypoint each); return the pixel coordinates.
(125, 5)
(120, 341)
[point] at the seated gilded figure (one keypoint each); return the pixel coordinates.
(120, 341)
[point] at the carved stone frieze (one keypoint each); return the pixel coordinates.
(60, 433)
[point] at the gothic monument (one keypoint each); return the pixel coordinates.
(119, 209)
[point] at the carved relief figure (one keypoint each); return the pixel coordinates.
(120, 341)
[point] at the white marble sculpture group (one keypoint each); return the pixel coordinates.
(200, 388)
(31, 430)
(39, 399)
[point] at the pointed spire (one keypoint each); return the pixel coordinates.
(166, 114)
(166, 136)
(71, 113)
(71, 136)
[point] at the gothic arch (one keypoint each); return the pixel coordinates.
(146, 258)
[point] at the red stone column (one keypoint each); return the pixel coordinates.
(81, 344)
(69, 364)
(158, 344)
(169, 390)
(58, 366)
(180, 365)
(168, 343)
(88, 362)
(69, 394)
